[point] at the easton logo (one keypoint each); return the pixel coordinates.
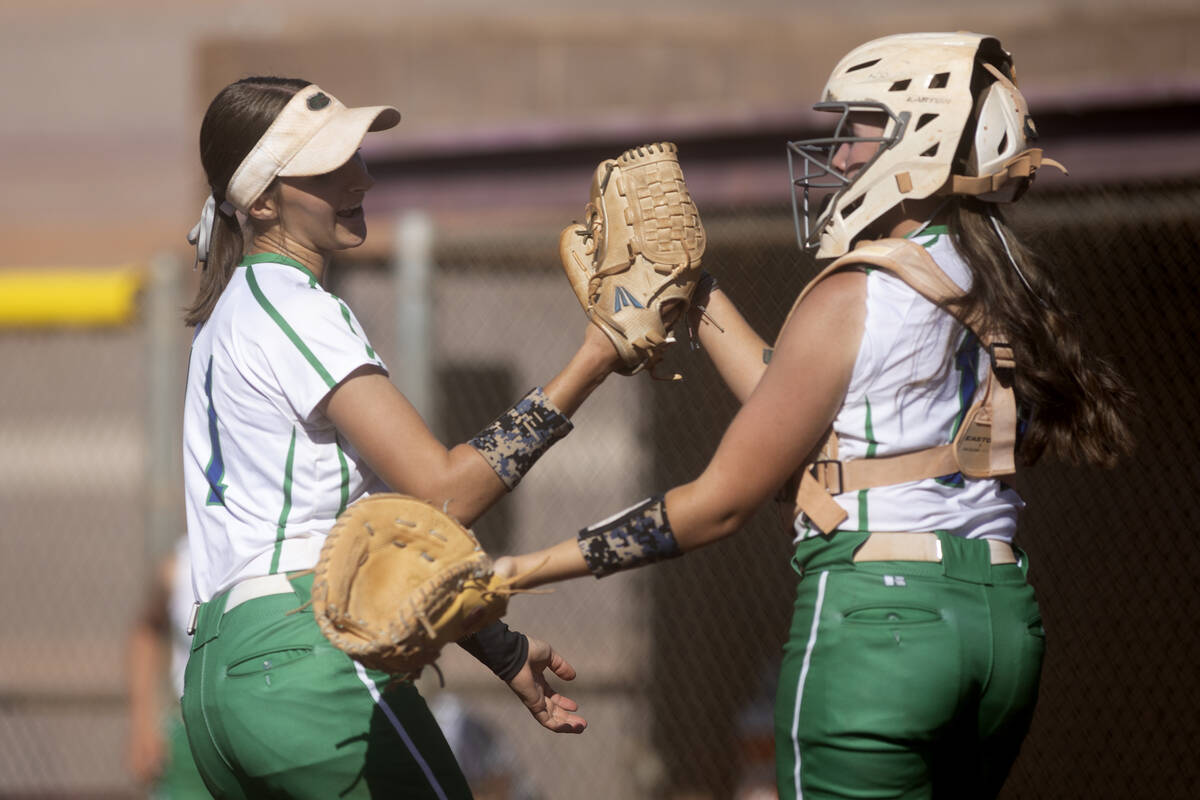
(624, 298)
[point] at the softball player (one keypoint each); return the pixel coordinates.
(289, 417)
(916, 644)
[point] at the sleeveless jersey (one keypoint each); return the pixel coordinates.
(266, 473)
(915, 376)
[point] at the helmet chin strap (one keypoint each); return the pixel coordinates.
(1004, 241)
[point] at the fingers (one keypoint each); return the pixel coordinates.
(561, 667)
(560, 717)
(542, 655)
(562, 701)
(552, 710)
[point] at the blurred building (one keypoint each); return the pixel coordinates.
(506, 113)
(102, 101)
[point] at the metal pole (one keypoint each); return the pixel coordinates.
(163, 328)
(412, 273)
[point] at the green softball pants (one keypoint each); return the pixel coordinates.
(905, 679)
(180, 780)
(273, 710)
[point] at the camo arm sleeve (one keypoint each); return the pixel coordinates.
(638, 535)
(518, 437)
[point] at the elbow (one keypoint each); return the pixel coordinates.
(700, 516)
(720, 525)
(733, 521)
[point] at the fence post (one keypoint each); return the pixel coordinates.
(163, 329)
(412, 279)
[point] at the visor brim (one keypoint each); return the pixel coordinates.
(338, 139)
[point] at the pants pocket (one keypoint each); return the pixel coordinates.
(268, 661)
(891, 614)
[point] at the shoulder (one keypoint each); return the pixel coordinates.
(835, 293)
(847, 283)
(290, 300)
(828, 315)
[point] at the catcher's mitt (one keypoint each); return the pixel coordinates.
(398, 580)
(635, 260)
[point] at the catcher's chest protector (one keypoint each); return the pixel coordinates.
(985, 444)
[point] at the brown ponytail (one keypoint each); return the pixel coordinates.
(236, 119)
(1077, 405)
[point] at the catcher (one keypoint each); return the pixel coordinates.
(289, 420)
(914, 373)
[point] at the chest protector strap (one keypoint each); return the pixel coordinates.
(984, 444)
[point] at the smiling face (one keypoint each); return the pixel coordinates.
(310, 218)
(323, 213)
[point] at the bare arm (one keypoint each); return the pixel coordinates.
(780, 423)
(734, 347)
(388, 432)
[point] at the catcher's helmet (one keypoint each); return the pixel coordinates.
(955, 123)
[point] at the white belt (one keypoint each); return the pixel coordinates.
(249, 589)
(921, 547)
(252, 588)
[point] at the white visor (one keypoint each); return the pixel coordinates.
(313, 134)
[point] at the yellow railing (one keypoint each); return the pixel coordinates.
(58, 296)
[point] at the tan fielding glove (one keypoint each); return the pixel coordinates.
(398, 580)
(635, 260)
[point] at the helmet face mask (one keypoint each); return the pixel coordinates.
(814, 175)
(955, 124)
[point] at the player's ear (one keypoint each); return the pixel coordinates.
(266, 207)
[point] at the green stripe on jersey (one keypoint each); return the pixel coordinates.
(287, 503)
(345, 496)
(275, 258)
(350, 324)
(928, 236)
(287, 329)
(872, 446)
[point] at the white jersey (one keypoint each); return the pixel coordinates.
(179, 612)
(893, 407)
(266, 473)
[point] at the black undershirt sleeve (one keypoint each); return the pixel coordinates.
(501, 650)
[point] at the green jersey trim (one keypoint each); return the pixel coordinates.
(872, 446)
(345, 488)
(275, 258)
(350, 324)
(284, 326)
(287, 503)
(929, 235)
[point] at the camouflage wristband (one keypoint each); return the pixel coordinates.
(639, 535)
(516, 440)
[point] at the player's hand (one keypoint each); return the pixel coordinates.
(553, 710)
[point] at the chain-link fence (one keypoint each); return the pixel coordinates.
(676, 662)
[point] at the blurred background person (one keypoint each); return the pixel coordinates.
(157, 648)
